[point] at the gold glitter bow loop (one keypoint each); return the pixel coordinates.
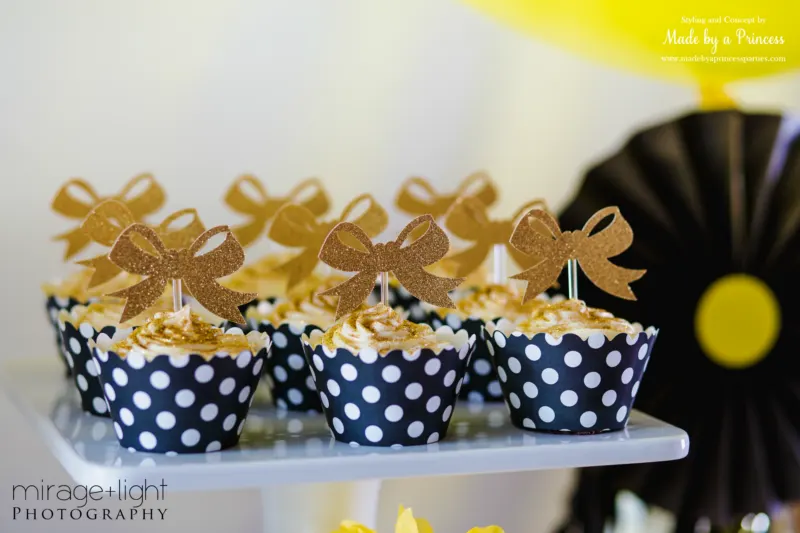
(67, 204)
(478, 185)
(198, 272)
(308, 193)
(108, 220)
(295, 226)
(405, 262)
(467, 220)
(539, 235)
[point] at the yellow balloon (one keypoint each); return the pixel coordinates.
(647, 37)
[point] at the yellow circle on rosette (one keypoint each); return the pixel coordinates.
(737, 321)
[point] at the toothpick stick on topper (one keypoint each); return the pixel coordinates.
(539, 235)
(296, 226)
(467, 220)
(108, 220)
(406, 262)
(308, 193)
(67, 204)
(183, 265)
(479, 185)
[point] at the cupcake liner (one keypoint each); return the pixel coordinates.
(569, 384)
(179, 404)
(397, 399)
(481, 383)
(85, 373)
(54, 305)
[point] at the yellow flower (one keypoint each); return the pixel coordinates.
(487, 529)
(406, 523)
(348, 526)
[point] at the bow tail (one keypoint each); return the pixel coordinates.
(611, 278)
(299, 267)
(539, 277)
(426, 286)
(140, 296)
(248, 233)
(220, 300)
(76, 239)
(352, 292)
(104, 270)
(469, 260)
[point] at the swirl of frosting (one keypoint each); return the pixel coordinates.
(573, 316)
(381, 328)
(304, 306)
(184, 333)
(490, 302)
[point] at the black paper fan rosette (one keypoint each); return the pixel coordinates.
(714, 199)
(179, 404)
(396, 399)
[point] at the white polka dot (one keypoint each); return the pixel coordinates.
(82, 383)
(243, 359)
(591, 380)
(447, 412)
(391, 374)
(68, 356)
(500, 339)
(613, 358)
(371, 394)
(295, 396)
(596, 340)
(110, 393)
(324, 399)
(118, 430)
(621, 413)
(227, 386)
(349, 372)
(204, 373)
(244, 394)
(528, 423)
(126, 416)
(546, 414)
(490, 348)
(141, 400)
(92, 368)
(179, 361)
(533, 352)
(101, 354)
(530, 390)
(333, 387)
(184, 398)
(165, 420)
(338, 426)
(352, 411)
(514, 365)
(549, 376)
(569, 398)
(229, 422)
(434, 437)
(135, 360)
(373, 433)
(572, 359)
(588, 419)
(75, 346)
(458, 385)
(393, 413)
(318, 364)
(502, 374)
(279, 339)
(87, 330)
(310, 383)
(609, 397)
(475, 397)
(635, 389)
(413, 391)
(627, 375)
(450, 378)
(368, 355)
(295, 361)
(453, 321)
(415, 429)
(209, 412)
(514, 399)
(159, 380)
(494, 388)
(147, 440)
(552, 341)
(280, 373)
(631, 339)
(257, 367)
(213, 446)
(330, 354)
(433, 404)
(432, 367)
(482, 367)
(643, 351)
(99, 405)
(240, 428)
(190, 437)
(462, 353)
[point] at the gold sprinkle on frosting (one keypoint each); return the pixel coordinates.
(490, 302)
(304, 306)
(573, 316)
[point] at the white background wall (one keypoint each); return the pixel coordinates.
(360, 92)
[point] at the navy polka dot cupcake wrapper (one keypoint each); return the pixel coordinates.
(569, 384)
(481, 383)
(397, 399)
(175, 405)
(54, 305)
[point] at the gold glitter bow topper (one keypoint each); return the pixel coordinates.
(406, 262)
(539, 235)
(295, 226)
(467, 220)
(309, 193)
(66, 203)
(478, 185)
(109, 219)
(198, 272)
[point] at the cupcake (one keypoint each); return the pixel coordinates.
(177, 384)
(570, 368)
(386, 381)
(473, 311)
